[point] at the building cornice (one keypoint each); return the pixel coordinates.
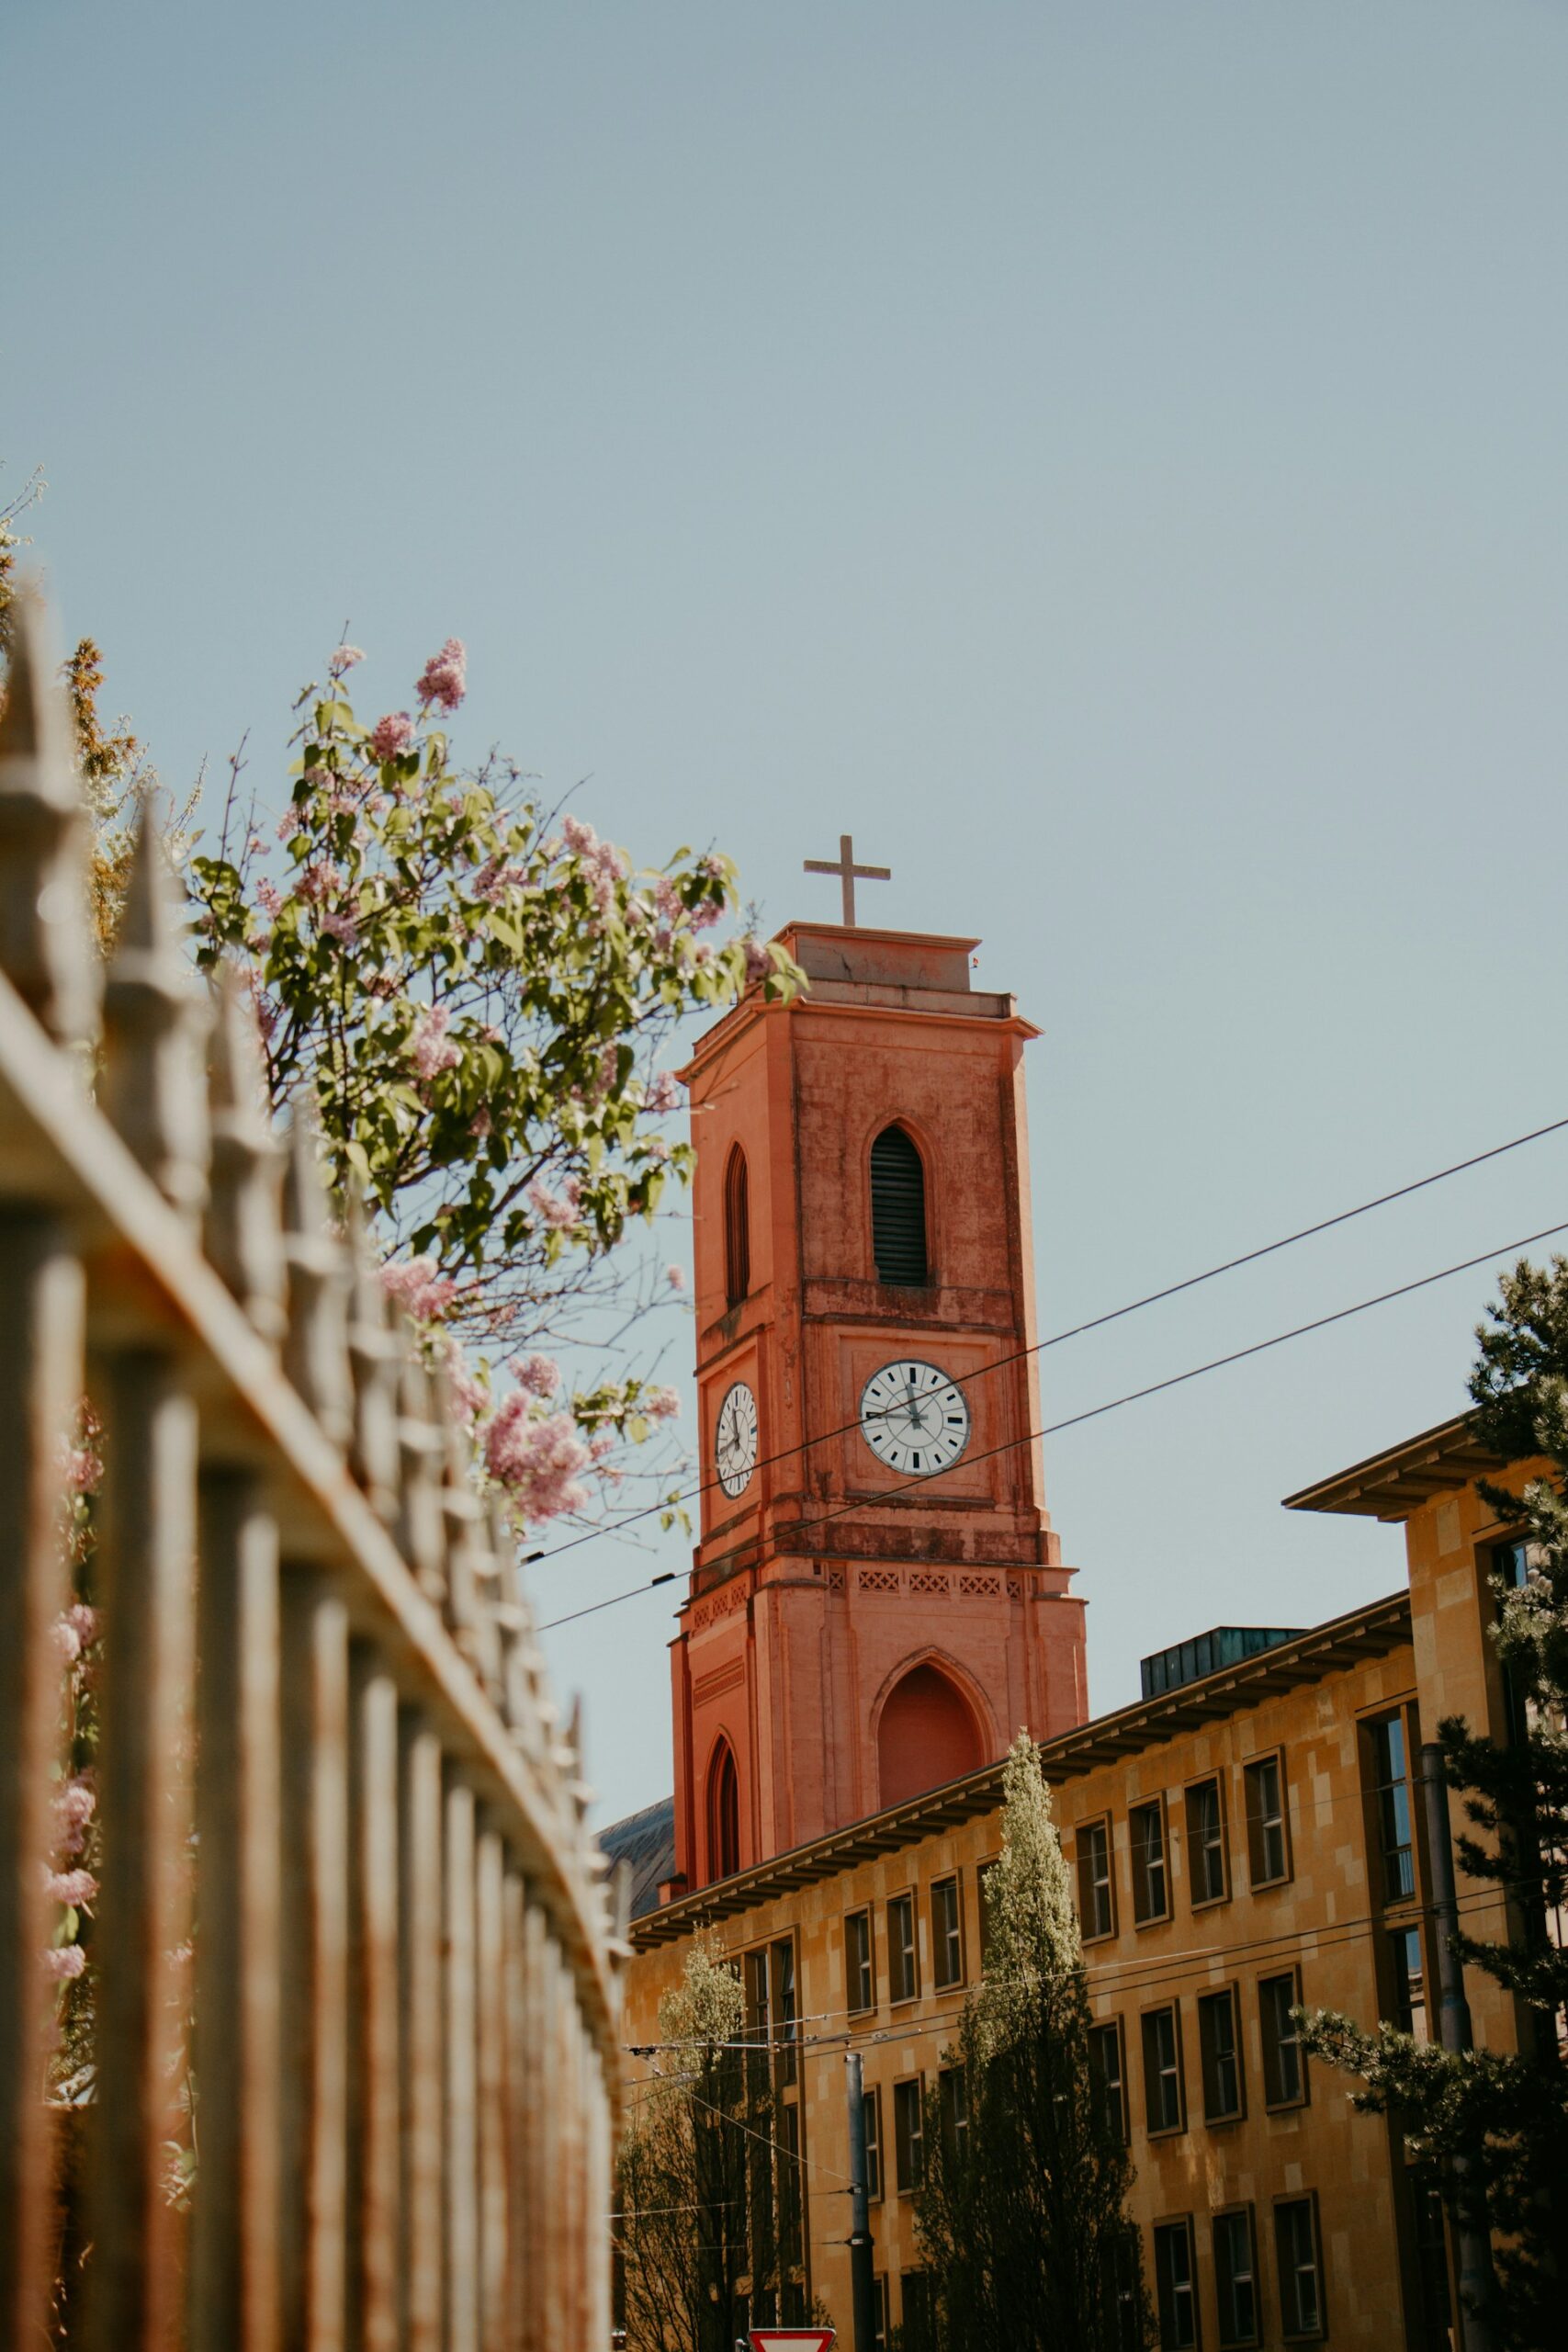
(1343, 1641)
(1392, 1485)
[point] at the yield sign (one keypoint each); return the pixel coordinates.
(804, 2339)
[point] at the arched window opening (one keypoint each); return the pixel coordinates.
(736, 1229)
(724, 1814)
(928, 1736)
(898, 1209)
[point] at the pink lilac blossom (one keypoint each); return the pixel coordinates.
(704, 918)
(480, 1125)
(319, 881)
(418, 1288)
(659, 1404)
(578, 835)
(656, 1148)
(758, 963)
(558, 1210)
(256, 846)
(676, 1277)
(444, 678)
(82, 1468)
(75, 1887)
(539, 1462)
(341, 926)
(664, 1095)
(291, 822)
(86, 1622)
(601, 1444)
(66, 1962)
(73, 1806)
(537, 1375)
(344, 658)
(268, 898)
(66, 1639)
(470, 1397)
(609, 1069)
(431, 1049)
(391, 735)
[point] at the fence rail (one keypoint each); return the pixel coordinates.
(327, 1752)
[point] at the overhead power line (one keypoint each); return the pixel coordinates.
(1077, 1330)
(897, 1498)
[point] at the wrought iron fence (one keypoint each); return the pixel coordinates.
(325, 1739)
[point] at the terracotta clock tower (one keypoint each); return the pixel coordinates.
(877, 1603)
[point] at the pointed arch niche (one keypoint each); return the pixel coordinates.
(927, 1734)
(898, 1209)
(723, 1812)
(737, 1228)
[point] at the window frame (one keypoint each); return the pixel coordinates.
(736, 1229)
(1144, 1872)
(909, 2146)
(904, 1904)
(853, 1972)
(1229, 2341)
(1306, 2202)
(1174, 2226)
(926, 1279)
(1147, 2024)
(875, 2171)
(1301, 2096)
(1209, 2003)
(947, 1938)
(1259, 1824)
(1388, 1793)
(952, 2091)
(1111, 2029)
(1195, 1844)
(1102, 1823)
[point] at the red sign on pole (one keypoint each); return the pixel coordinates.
(802, 2339)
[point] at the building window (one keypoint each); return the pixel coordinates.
(1206, 1842)
(947, 1934)
(1390, 1792)
(1174, 2288)
(790, 2233)
(898, 1209)
(860, 1973)
(903, 1960)
(784, 2027)
(952, 2091)
(1409, 1982)
(1162, 2070)
(737, 1228)
(1284, 2067)
(1235, 2276)
(871, 2110)
(881, 2321)
(1268, 1848)
(1219, 2044)
(1300, 2272)
(920, 2314)
(1146, 1826)
(1097, 1908)
(724, 1814)
(1105, 2073)
(909, 2133)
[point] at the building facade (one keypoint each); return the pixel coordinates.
(1240, 1843)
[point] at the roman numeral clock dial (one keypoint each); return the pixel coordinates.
(734, 1440)
(913, 1417)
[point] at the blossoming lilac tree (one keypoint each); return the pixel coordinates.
(475, 996)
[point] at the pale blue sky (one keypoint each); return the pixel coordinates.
(1107, 453)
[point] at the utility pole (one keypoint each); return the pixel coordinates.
(862, 2281)
(1471, 2244)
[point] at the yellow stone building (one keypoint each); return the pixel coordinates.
(1249, 1835)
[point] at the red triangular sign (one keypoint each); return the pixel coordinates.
(802, 2339)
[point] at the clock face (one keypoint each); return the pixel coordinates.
(913, 1417)
(735, 1441)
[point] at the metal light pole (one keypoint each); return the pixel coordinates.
(1454, 2033)
(862, 2281)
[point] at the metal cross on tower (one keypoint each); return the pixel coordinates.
(849, 873)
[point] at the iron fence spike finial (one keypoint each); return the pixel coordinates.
(244, 1219)
(155, 1021)
(46, 948)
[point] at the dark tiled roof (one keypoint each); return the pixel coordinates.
(645, 1840)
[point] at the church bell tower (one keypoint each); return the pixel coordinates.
(877, 1603)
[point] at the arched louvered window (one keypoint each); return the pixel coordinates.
(736, 1229)
(724, 1814)
(898, 1209)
